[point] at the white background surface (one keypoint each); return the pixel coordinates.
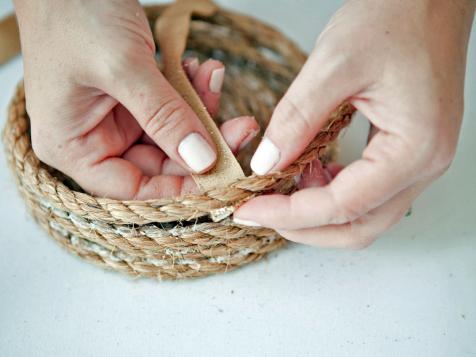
(413, 293)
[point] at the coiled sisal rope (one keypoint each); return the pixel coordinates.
(187, 236)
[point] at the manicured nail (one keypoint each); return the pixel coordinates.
(265, 158)
(196, 152)
(245, 222)
(192, 66)
(216, 80)
(248, 139)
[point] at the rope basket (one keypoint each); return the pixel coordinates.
(189, 236)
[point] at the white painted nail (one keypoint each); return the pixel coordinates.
(196, 152)
(245, 222)
(192, 67)
(265, 158)
(216, 80)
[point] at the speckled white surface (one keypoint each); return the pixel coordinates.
(413, 293)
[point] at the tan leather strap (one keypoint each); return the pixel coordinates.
(9, 38)
(171, 31)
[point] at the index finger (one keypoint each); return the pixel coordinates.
(386, 168)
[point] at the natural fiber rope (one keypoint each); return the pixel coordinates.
(185, 236)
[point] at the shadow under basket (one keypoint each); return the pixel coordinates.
(187, 236)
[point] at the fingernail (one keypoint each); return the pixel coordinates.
(248, 139)
(265, 158)
(245, 222)
(192, 66)
(216, 80)
(196, 152)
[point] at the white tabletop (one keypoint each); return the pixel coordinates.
(412, 293)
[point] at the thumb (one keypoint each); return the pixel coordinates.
(320, 87)
(166, 118)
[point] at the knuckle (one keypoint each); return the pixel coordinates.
(442, 161)
(439, 151)
(392, 221)
(113, 68)
(395, 147)
(440, 132)
(331, 59)
(42, 130)
(358, 239)
(53, 152)
(348, 213)
(346, 210)
(444, 152)
(358, 234)
(293, 119)
(379, 225)
(327, 45)
(341, 208)
(41, 148)
(360, 243)
(116, 64)
(166, 119)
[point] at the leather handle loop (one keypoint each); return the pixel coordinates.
(171, 31)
